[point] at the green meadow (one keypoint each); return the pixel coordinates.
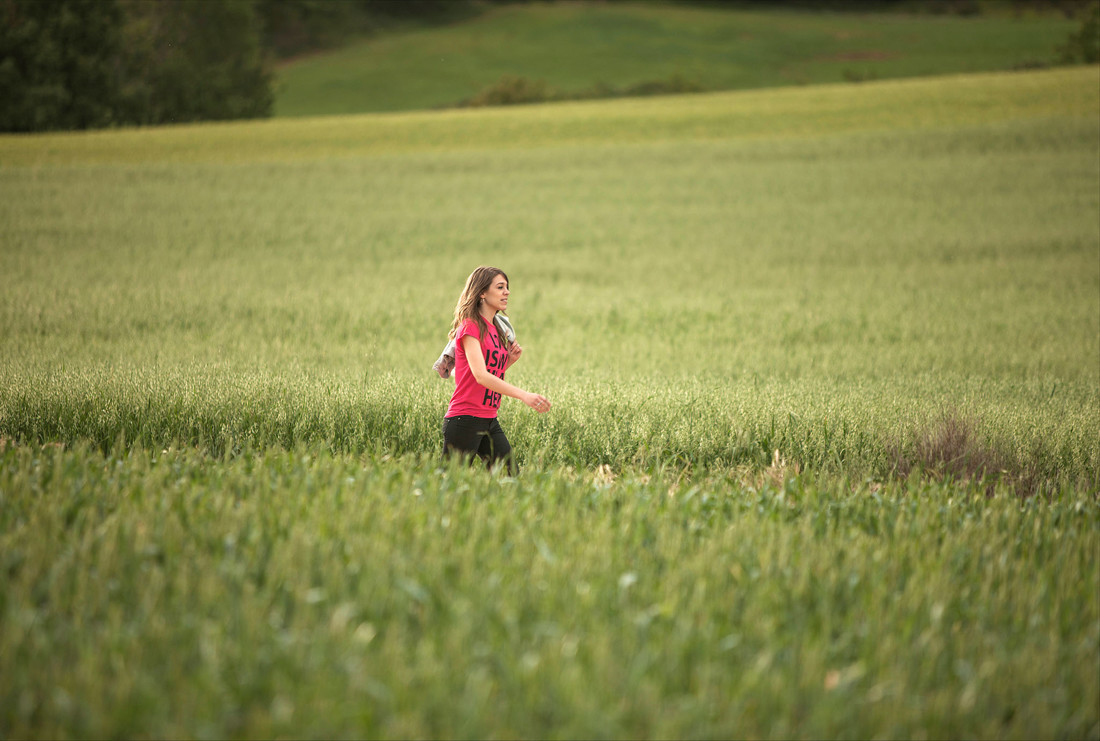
(293, 593)
(582, 48)
(823, 458)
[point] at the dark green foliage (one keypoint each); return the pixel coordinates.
(424, 9)
(193, 60)
(57, 61)
(297, 26)
(513, 90)
(1084, 45)
(79, 64)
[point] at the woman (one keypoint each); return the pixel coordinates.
(482, 355)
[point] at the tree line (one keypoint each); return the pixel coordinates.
(82, 64)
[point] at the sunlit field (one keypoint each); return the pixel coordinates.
(823, 458)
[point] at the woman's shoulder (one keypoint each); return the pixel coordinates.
(468, 327)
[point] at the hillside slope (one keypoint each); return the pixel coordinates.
(575, 48)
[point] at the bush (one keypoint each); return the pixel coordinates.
(672, 86)
(1083, 47)
(950, 448)
(512, 90)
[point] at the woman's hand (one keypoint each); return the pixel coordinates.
(472, 348)
(538, 402)
(514, 351)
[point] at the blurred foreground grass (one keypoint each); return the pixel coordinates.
(299, 593)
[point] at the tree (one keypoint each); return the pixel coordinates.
(193, 60)
(77, 64)
(57, 63)
(1083, 46)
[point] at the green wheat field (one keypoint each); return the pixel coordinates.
(824, 457)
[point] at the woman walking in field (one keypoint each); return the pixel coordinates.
(483, 353)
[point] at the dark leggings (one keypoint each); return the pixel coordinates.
(469, 436)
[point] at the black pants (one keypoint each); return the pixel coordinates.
(469, 436)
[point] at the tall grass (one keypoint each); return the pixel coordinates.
(879, 432)
(685, 295)
(166, 593)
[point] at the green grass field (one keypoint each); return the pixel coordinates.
(780, 329)
(296, 594)
(574, 47)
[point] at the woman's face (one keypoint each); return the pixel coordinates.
(496, 298)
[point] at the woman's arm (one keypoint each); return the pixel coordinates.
(472, 348)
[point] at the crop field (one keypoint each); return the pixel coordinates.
(823, 458)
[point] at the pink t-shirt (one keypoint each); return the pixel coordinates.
(470, 397)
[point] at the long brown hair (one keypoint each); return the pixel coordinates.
(467, 307)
